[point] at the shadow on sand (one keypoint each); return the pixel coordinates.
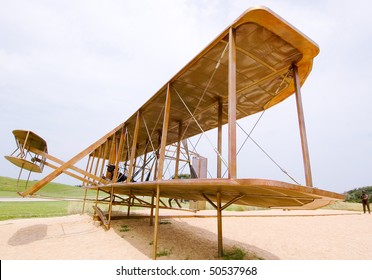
(178, 240)
(28, 235)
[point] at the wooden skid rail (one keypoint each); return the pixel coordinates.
(102, 216)
(130, 202)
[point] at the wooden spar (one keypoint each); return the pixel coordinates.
(69, 163)
(72, 167)
(85, 199)
(115, 177)
(301, 121)
(232, 105)
(144, 161)
(130, 201)
(161, 166)
(118, 155)
(219, 225)
(219, 140)
(152, 209)
(134, 163)
(99, 157)
(131, 196)
(164, 134)
(86, 190)
(157, 156)
(24, 144)
(91, 164)
(112, 151)
(134, 147)
(156, 227)
(218, 206)
(232, 201)
(178, 151)
(84, 180)
(98, 161)
(103, 155)
(111, 161)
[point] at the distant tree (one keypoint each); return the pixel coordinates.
(354, 194)
(183, 176)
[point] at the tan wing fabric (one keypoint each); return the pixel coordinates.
(263, 61)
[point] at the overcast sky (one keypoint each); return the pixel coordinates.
(72, 70)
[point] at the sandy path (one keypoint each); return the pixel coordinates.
(271, 234)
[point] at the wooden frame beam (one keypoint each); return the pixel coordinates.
(118, 153)
(72, 167)
(218, 206)
(161, 166)
(232, 105)
(134, 147)
(219, 225)
(69, 163)
(219, 140)
(301, 121)
(178, 152)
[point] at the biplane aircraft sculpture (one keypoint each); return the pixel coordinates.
(254, 64)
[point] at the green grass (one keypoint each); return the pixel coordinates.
(19, 210)
(235, 253)
(124, 228)
(22, 210)
(32, 209)
(341, 205)
(8, 188)
(162, 253)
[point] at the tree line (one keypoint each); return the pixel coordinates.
(354, 194)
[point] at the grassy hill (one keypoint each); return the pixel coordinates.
(8, 188)
(16, 210)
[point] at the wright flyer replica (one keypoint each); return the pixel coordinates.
(255, 63)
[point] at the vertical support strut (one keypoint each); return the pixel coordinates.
(219, 225)
(219, 140)
(144, 161)
(178, 151)
(164, 134)
(152, 209)
(232, 104)
(301, 121)
(156, 227)
(105, 154)
(115, 177)
(161, 166)
(134, 147)
(99, 152)
(112, 161)
(119, 151)
(157, 156)
(86, 190)
(24, 145)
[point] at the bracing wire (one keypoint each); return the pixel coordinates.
(282, 169)
(248, 135)
(200, 100)
(206, 88)
(202, 130)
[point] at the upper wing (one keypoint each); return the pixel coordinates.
(266, 47)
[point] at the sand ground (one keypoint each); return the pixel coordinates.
(268, 234)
